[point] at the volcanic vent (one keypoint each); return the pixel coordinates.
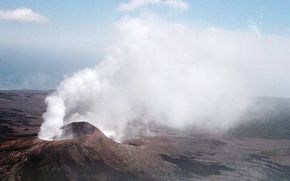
(79, 129)
(90, 155)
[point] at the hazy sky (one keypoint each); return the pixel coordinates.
(37, 37)
(83, 24)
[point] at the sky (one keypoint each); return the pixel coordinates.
(43, 41)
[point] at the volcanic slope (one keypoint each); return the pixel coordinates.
(168, 155)
(90, 155)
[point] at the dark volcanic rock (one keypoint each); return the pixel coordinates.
(6, 130)
(190, 166)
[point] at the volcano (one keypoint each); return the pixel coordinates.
(165, 154)
(90, 155)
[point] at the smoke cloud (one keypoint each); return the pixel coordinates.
(171, 74)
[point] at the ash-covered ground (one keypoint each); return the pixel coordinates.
(258, 149)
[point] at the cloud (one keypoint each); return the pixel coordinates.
(24, 15)
(133, 5)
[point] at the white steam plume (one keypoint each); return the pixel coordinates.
(168, 73)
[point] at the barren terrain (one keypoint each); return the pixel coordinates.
(259, 149)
